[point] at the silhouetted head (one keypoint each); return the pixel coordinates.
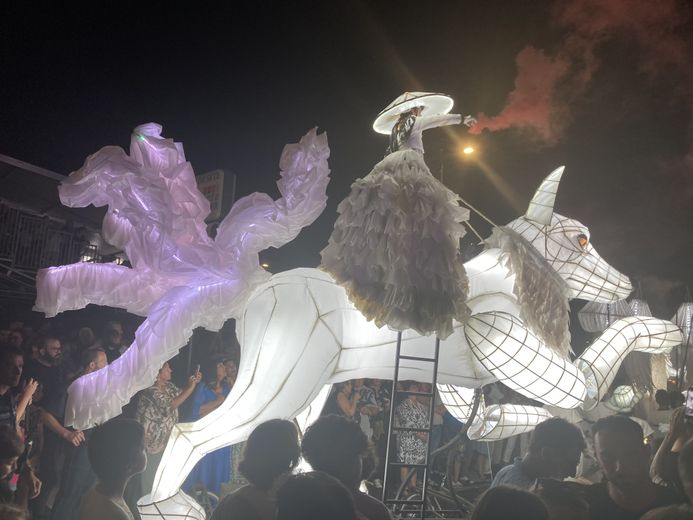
(271, 451)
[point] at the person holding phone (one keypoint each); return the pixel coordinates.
(157, 412)
(214, 468)
(664, 466)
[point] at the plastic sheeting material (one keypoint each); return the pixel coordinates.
(181, 278)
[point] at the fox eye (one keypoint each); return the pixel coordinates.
(583, 241)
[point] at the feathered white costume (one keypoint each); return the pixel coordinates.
(395, 244)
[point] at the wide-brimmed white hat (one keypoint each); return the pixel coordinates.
(433, 103)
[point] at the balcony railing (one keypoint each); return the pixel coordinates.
(29, 242)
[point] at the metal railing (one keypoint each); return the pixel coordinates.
(30, 242)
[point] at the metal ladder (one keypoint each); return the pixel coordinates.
(394, 430)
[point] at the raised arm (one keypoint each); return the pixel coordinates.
(426, 122)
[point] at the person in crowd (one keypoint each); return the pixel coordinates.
(16, 339)
(336, 446)
(116, 453)
(382, 392)
(12, 461)
(11, 369)
(563, 500)
(314, 496)
(24, 399)
(343, 401)
(505, 502)
(664, 468)
(111, 341)
(554, 452)
(367, 406)
(81, 340)
(47, 370)
(379, 423)
(662, 399)
(272, 451)
(628, 492)
(411, 446)
(215, 468)
(685, 467)
(157, 411)
(77, 476)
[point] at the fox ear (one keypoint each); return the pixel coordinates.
(541, 207)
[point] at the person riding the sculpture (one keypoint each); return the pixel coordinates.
(395, 244)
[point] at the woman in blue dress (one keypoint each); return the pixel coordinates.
(215, 468)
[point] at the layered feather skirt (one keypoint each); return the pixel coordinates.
(395, 247)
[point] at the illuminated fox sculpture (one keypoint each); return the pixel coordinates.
(298, 331)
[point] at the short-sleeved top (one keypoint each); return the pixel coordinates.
(156, 415)
(514, 475)
(602, 507)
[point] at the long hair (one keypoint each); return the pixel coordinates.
(401, 131)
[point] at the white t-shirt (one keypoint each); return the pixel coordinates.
(95, 505)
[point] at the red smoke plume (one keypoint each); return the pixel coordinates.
(547, 81)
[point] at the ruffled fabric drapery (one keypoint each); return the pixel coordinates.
(395, 247)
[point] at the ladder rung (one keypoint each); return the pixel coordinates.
(418, 358)
(408, 465)
(402, 501)
(404, 429)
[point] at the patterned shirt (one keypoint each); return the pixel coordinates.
(155, 414)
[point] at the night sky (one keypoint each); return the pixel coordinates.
(602, 86)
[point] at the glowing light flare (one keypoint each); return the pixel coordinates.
(468, 150)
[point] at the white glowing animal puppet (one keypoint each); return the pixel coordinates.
(299, 332)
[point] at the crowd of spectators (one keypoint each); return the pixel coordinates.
(57, 473)
(51, 471)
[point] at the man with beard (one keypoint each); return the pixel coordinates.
(47, 370)
(111, 341)
(627, 492)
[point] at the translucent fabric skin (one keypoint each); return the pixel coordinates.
(180, 278)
